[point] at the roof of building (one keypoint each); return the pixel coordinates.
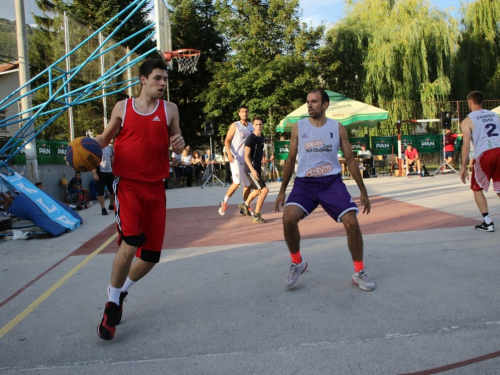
(9, 66)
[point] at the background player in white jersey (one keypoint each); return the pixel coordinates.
(235, 143)
(316, 140)
(483, 127)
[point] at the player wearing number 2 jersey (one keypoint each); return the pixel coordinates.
(483, 128)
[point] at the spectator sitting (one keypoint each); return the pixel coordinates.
(6, 199)
(176, 163)
(209, 159)
(185, 164)
(412, 158)
(197, 163)
(76, 187)
(340, 156)
(366, 157)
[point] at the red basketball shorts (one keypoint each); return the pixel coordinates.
(141, 215)
(486, 167)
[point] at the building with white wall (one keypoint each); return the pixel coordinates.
(9, 82)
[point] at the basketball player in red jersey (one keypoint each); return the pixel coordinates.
(143, 128)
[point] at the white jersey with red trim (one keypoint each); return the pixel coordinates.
(486, 133)
(317, 149)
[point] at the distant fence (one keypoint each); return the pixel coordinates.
(415, 111)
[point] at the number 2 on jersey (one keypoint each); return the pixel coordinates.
(491, 132)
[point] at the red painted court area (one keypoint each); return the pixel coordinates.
(203, 226)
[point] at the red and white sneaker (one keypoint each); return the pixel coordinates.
(222, 208)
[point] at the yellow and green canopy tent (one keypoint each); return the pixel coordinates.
(496, 110)
(351, 113)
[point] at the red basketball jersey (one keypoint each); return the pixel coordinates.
(141, 146)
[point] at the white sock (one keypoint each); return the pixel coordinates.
(418, 172)
(128, 283)
(487, 219)
(226, 198)
(114, 294)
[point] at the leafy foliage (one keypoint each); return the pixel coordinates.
(401, 51)
(47, 46)
(271, 62)
(8, 41)
(477, 65)
(193, 26)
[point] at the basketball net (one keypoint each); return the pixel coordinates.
(186, 59)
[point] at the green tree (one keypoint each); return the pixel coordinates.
(47, 45)
(193, 26)
(272, 61)
(97, 12)
(8, 41)
(478, 61)
(402, 51)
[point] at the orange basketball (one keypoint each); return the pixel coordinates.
(84, 154)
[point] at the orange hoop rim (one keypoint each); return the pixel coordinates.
(181, 54)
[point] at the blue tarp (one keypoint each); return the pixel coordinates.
(42, 209)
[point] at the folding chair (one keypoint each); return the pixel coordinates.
(380, 164)
(68, 197)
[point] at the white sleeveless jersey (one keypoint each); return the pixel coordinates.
(238, 143)
(486, 133)
(317, 149)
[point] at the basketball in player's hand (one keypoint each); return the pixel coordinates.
(84, 154)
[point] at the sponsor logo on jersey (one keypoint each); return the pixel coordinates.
(318, 146)
(318, 171)
(156, 118)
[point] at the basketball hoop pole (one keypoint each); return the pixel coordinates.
(168, 89)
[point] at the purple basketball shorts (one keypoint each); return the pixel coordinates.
(328, 191)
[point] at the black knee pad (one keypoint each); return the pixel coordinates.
(135, 241)
(150, 256)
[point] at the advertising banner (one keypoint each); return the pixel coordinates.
(281, 150)
(425, 144)
(384, 145)
(357, 142)
(47, 152)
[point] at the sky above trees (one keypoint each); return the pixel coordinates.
(314, 11)
(331, 11)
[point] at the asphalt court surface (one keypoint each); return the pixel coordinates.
(216, 303)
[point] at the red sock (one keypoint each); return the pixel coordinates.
(296, 257)
(358, 266)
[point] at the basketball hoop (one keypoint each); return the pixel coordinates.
(186, 59)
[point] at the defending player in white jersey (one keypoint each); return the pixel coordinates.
(483, 128)
(316, 141)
